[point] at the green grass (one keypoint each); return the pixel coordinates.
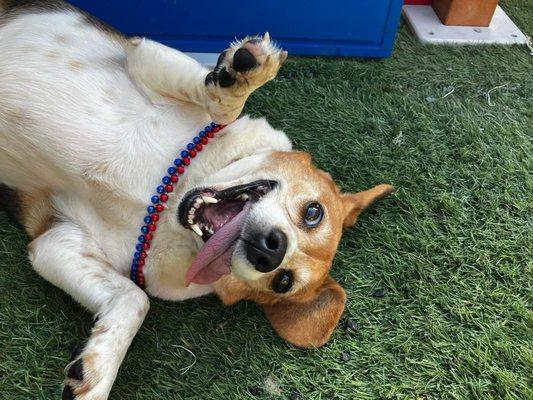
(453, 247)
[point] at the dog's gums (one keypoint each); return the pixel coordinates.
(218, 217)
(205, 211)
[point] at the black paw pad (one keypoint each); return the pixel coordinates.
(67, 394)
(221, 59)
(224, 78)
(76, 370)
(210, 78)
(243, 60)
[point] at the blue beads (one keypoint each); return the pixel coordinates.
(183, 159)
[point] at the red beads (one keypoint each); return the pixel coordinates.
(162, 197)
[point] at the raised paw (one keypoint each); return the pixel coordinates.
(242, 68)
(249, 63)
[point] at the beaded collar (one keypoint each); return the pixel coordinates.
(158, 201)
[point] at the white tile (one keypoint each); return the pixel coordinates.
(428, 29)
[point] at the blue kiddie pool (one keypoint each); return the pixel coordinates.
(361, 28)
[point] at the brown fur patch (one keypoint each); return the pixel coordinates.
(75, 65)
(37, 215)
(306, 316)
(98, 330)
(61, 39)
(10, 9)
(52, 55)
(13, 8)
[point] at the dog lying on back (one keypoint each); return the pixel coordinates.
(89, 121)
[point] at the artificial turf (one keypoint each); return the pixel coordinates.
(453, 247)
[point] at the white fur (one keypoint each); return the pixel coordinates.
(82, 117)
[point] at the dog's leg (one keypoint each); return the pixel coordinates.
(171, 75)
(65, 256)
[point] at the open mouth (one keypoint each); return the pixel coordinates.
(218, 218)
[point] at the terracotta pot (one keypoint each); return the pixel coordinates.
(465, 12)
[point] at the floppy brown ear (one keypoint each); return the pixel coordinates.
(354, 203)
(309, 323)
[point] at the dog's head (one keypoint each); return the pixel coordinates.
(270, 237)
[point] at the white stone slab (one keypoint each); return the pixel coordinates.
(428, 29)
(208, 60)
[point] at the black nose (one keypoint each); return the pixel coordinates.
(266, 251)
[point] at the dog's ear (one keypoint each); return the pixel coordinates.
(231, 290)
(354, 203)
(308, 323)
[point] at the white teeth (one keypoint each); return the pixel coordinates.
(190, 221)
(210, 229)
(192, 211)
(244, 196)
(198, 202)
(197, 229)
(209, 200)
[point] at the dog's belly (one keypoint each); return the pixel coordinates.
(74, 125)
(63, 92)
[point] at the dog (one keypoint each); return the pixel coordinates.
(89, 121)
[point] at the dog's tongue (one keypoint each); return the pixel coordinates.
(214, 258)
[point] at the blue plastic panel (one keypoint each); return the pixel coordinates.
(363, 28)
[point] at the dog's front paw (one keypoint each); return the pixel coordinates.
(247, 64)
(88, 376)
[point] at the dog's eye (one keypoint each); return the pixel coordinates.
(282, 283)
(313, 214)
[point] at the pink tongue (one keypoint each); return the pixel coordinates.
(214, 258)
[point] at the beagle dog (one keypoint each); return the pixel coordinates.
(89, 121)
